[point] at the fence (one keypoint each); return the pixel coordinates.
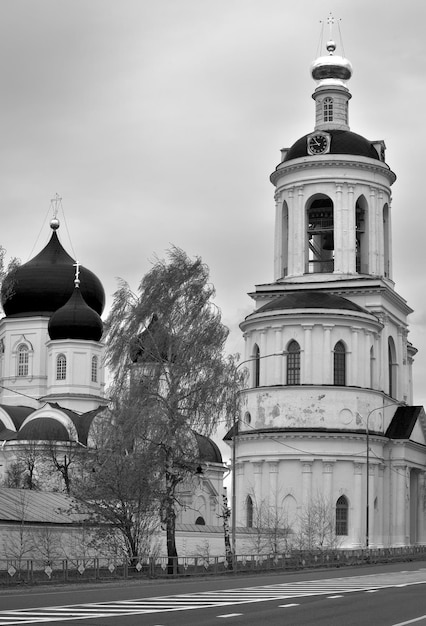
(32, 571)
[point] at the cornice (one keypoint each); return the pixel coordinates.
(304, 163)
(312, 433)
(361, 285)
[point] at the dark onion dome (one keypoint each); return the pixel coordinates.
(44, 429)
(342, 142)
(208, 450)
(46, 283)
(75, 320)
(310, 300)
(154, 344)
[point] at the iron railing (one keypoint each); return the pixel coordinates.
(36, 571)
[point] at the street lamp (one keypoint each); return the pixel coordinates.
(367, 504)
(234, 428)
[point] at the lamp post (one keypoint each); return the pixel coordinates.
(234, 444)
(367, 459)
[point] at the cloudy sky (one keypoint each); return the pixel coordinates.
(158, 122)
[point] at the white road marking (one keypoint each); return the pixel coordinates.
(208, 599)
(411, 621)
(231, 615)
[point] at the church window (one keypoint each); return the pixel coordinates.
(342, 516)
(23, 360)
(392, 367)
(339, 364)
(94, 369)
(328, 109)
(200, 521)
(61, 367)
(249, 512)
(320, 236)
(372, 367)
(293, 363)
(256, 370)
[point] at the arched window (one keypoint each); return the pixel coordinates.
(339, 364)
(249, 512)
(328, 109)
(256, 370)
(342, 516)
(372, 367)
(293, 363)
(23, 360)
(200, 521)
(392, 367)
(61, 367)
(94, 369)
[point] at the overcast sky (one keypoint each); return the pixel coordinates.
(159, 122)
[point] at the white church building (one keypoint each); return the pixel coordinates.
(327, 412)
(52, 380)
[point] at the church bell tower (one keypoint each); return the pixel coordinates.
(327, 410)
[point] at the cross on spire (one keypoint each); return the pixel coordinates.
(55, 203)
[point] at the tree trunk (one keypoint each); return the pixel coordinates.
(172, 555)
(228, 549)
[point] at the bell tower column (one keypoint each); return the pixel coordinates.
(299, 235)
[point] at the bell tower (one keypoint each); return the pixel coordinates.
(332, 191)
(327, 407)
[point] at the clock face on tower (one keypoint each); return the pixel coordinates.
(318, 143)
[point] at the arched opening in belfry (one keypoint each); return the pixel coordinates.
(320, 236)
(386, 242)
(361, 233)
(392, 368)
(284, 239)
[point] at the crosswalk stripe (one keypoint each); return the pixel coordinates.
(220, 598)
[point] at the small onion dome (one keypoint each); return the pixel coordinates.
(153, 345)
(75, 320)
(310, 300)
(341, 142)
(331, 67)
(46, 282)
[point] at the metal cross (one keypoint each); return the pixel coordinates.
(77, 266)
(55, 202)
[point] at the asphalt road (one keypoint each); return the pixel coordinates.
(391, 595)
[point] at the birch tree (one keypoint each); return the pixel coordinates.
(165, 347)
